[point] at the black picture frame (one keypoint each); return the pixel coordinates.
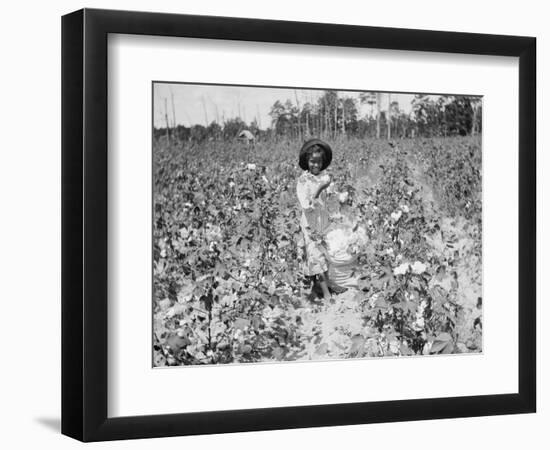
(84, 224)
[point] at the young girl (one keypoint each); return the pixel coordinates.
(315, 157)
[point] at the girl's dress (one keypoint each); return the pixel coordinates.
(314, 221)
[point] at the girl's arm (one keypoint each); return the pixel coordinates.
(324, 184)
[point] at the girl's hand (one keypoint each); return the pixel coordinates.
(325, 183)
(325, 180)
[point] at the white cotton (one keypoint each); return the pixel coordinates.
(395, 216)
(418, 267)
(343, 197)
(325, 178)
(401, 269)
(341, 242)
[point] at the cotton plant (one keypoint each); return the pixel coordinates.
(417, 268)
(257, 303)
(343, 197)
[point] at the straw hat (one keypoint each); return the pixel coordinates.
(324, 147)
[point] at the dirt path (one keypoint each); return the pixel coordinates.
(330, 328)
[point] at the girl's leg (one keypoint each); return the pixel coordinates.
(316, 291)
(323, 278)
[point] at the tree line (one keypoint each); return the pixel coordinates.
(334, 114)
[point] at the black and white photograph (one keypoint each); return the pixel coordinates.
(275, 225)
(294, 224)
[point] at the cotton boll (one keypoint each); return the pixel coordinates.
(337, 240)
(372, 300)
(418, 267)
(343, 197)
(325, 178)
(402, 269)
(184, 233)
(418, 324)
(395, 216)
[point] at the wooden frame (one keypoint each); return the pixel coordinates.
(84, 224)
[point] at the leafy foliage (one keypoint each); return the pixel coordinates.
(228, 281)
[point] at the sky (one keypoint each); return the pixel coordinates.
(202, 104)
